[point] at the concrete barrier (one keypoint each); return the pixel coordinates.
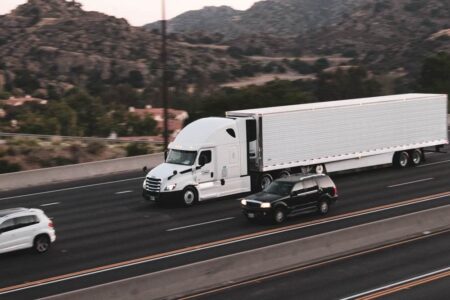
(79, 171)
(176, 282)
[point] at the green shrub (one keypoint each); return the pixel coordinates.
(7, 167)
(96, 147)
(136, 149)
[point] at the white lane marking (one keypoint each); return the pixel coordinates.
(49, 204)
(211, 247)
(123, 192)
(397, 283)
(72, 188)
(411, 182)
(435, 163)
(200, 224)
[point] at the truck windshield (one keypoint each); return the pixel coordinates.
(179, 157)
(279, 188)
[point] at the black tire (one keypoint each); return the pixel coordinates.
(324, 207)
(320, 169)
(416, 157)
(41, 243)
(401, 159)
(279, 215)
(283, 174)
(190, 196)
(264, 181)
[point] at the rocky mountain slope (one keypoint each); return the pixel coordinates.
(57, 43)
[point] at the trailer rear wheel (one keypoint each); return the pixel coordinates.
(401, 159)
(416, 157)
(264, 181)
(320, 169)
(284, 174)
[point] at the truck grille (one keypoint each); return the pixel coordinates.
(153, 184)
(253, 204)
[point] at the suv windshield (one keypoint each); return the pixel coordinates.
(180, 157)
(279, 188)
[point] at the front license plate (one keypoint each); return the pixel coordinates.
(152, 198)
(251, 215)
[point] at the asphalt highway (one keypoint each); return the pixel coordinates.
(106, 231)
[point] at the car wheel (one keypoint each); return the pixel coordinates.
(265, 180)
(416, 157)
(401, 159)
(41, 243)
(189, 196)
(324, 207)
(279, 215)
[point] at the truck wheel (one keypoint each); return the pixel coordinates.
(416, 157)
(284, 174)
(190, 196)
(265, 180)
(279, 215)
(401, 159)
(305, 169)
(320, 169)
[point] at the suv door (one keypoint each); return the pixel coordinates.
(26, 230)
(7, 240)
(311, 198)
(296, 199)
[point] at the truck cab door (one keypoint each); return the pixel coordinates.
(205, 166)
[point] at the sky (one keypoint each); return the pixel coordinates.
(140, 12)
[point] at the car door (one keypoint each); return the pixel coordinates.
(7, 240)
(295, 201)
(311, 194)
(26, 230)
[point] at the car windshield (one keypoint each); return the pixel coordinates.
(179, 157)
(279, 188)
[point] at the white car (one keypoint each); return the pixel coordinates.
(22, 228)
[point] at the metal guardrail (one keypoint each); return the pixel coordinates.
(108, 140)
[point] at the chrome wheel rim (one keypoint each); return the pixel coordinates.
(41, 245)
(324, 207)
(189, 197)
(279, 216)
(319, 169)
(417, 157)
(403, 159)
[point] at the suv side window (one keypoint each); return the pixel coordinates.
(7, 225)
(298, 188)
(310, 185)
(26, 221)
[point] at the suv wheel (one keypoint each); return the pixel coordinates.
(189, 196)
(279, 215)
(324, 207)
(41, 243)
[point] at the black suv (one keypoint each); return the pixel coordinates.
(291, 196)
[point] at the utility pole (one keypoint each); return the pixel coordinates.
(164, 91)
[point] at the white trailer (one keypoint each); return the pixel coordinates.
(215, 157)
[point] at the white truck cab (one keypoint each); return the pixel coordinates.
(206, 160)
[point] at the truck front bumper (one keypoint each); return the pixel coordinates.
(161, 197)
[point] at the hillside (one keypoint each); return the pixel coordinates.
(56, 43)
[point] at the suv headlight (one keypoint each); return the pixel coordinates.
(170, 187)
(144, 183)
(265, 205)
(244, 202)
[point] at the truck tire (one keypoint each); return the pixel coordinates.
(264, 181)
(283, 174)
(416, 157)
(320, 169)
(190, 196)
(401, 159)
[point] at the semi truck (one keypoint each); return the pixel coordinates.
(247, 149)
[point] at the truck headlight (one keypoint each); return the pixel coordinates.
(244, 202)
(265, 205)
(144, 183)
(170, 187)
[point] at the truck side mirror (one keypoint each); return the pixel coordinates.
(166, 152)
(145, 169)
(202, 160)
